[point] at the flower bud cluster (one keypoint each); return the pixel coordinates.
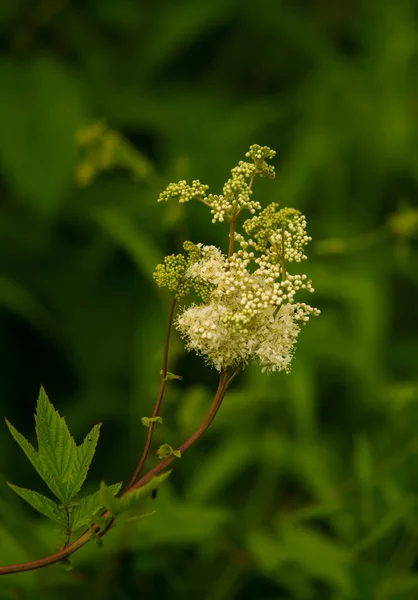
(183, 192)
(172, 273)
(236, 193)
(282, 233)
(259, 154)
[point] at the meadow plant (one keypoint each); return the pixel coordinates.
(229, 307)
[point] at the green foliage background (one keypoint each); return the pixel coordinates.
(305, 487)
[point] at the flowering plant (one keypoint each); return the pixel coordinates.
(244, 309)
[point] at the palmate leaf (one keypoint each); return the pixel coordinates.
(59, 461)
(41, 503)
(84, 511)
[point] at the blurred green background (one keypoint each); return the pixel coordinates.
(306, 485)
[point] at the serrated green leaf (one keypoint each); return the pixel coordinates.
(86, 509)
(27, 448)
(108, 499)
(82, 462)
(130, 501)
(131, 498)
(42, 504)
(56, 446)
(61, 464)
(35, 459)
(148, 420)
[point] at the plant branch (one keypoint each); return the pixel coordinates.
(232, 226)
(217, 401)
(158, 401)
(224, 379)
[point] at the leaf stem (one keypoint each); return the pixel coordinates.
(158, 401)
(69, 532)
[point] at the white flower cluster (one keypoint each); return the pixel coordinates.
(249, 314)
(209, 333)
(248, 309)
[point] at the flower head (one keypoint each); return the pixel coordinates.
(247, 309)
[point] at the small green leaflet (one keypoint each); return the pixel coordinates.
(171, 376)
(59, 461)
(148, 420)
(166, 450)
(130, 500)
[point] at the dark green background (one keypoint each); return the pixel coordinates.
(306, 486)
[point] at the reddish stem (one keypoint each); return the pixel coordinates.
(159, 399)
(217, 401)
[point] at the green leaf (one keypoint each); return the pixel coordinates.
(41, 503)
(56, 447)
(166, 450)
(37, 144)
(86, 508)
(108, 499)
(82, 462)
(148, 420)
(130, 500)
(171, 376)
(61, 464)
(28, 449)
